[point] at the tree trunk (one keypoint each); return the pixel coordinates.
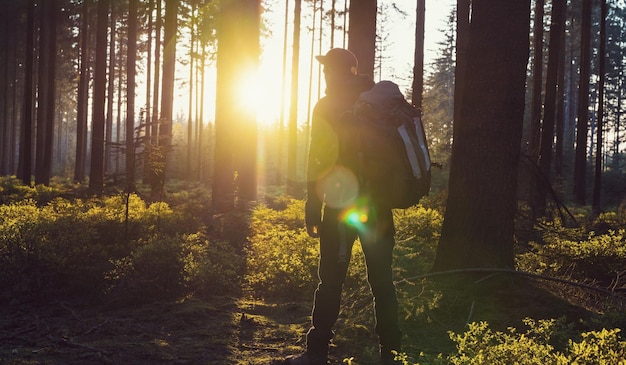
(547, 130)
(537, 83)
(96, 174)
(108, 140)
(150, 173)
(418, 59)
(560, 111)
(292, 130)
(46, 101)
(248, 133)
(281, 126)
(478, 224)
(201, 116)
(597, 181)
(582, 126)
(362, 34)
(148, 114)
(237, 54)
(131, 60)
(27, 133)
(167, 93)
(82, 97)
(462, 42)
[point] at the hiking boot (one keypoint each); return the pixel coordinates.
(304, 359)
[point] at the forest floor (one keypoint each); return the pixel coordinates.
(227, 330)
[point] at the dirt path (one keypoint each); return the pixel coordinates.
(222, 331)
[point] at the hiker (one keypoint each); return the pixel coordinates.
(333, 187)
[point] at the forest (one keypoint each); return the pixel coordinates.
(153, 180)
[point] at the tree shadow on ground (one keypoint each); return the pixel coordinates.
(182, 332)
(434, 308)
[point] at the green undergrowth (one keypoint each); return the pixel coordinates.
(458, 319)
(174, 257)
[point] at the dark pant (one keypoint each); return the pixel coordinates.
(336, 240)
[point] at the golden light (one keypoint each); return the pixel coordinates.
(259, 92)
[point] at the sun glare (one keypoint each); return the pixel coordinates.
(259, 92)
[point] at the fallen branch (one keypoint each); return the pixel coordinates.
(68, 343)
(507, 271)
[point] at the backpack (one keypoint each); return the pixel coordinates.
(389, 148)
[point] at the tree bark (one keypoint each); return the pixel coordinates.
(234, 126)
(281, 124)
(248, 134)
(549, 115)
(131, 60)
(292, 130)
(560, 110)
(582, 125)
(537, 83)
(27, 148)
(96, 173)
(82, 97)
(460, 70)
(597, 181)
(418, 57)
(46, 101)
(108, 140)
(478, 224)
(362, 34)
(167, 93)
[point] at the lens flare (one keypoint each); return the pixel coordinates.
(357, 214)
(339, 187)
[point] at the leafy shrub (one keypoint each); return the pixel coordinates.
(282, 259)
(211, 267)
(68, 246)
(417, 234)
(152, 271)
(598, 258)
(481, 345)
(598, 347)
(282, 262)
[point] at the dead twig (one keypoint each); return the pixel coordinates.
(508, 271)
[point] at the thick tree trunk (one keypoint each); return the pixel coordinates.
(167, 94)
(248, 134)
(96, 174)
(549, 115)
(46, 102)
(462, 40)
(27, 133)
(235, 128)
(478, 225)
(362, 34)
(82, 97)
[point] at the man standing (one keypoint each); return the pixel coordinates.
(333, 189)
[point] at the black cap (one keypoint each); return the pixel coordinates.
(338, 57)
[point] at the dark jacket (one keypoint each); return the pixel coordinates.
(327, 132)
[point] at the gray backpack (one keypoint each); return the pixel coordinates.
(389, 147)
